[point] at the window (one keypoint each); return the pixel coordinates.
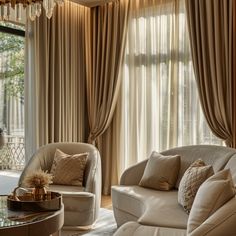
(12, 95)
(160, 103)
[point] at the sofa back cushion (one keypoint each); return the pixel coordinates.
(161, 172)
(216, 156)
(212, 195)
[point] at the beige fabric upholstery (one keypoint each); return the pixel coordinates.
(66, 188)
(161, 172)
(151, 207)
(221, 223)
(212, 194)
(81, 203)
(217, 156)
(231, 165)
(193, 177)
(158, 212)
(133, 228)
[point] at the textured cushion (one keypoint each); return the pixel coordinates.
(161, 172)
(194, 176)
(212, 194)
(68, 169)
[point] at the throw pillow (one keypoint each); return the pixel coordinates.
(193, 177)
(161, 172)
(212, 194)
(68, 169)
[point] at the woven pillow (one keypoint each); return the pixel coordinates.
(68, 169)
(213, 194)
(161, 172)
(192, 179)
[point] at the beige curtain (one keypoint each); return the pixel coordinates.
(56, 109)
(106, 35)
(234, 74)
(211, 36)
(105, 40)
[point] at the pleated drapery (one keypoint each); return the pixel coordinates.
(211, 36)
(56, 72)
(105, 41)
(73, 81)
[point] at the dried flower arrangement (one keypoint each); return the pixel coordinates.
(38, 179)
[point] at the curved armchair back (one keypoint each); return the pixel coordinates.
(43, 159)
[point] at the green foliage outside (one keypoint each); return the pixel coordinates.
(12, 63)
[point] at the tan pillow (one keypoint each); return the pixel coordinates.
(212, 194)
(192, 179)
(68, 169)
(161, 172)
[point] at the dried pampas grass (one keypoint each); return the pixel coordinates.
(38, 179)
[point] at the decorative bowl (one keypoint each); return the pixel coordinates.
(27, 203)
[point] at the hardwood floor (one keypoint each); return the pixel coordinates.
(106, 202)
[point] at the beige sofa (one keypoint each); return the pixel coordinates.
(81, 204)
(142, 211)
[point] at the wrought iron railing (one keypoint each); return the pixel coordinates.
(12, 154)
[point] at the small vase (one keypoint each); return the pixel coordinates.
(39, 193)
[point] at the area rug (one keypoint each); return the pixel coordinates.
(8, 181)
(105, 226)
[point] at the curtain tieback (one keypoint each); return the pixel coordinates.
(229, 142)
(92, 139)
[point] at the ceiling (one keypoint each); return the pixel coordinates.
(92, 3)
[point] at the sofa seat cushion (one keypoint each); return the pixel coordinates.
(134, 228)
(152, 207)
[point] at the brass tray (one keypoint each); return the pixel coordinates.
(26, 203)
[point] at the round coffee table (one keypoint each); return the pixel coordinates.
(14, 223)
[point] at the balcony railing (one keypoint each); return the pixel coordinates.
(12, 154)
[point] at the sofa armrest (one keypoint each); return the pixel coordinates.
(222, 222)
(133, 174)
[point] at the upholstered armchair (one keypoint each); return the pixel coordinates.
(81, 203)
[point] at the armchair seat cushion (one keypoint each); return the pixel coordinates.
(75, 199)
(65, 189)
(78, 204)
(152, 207)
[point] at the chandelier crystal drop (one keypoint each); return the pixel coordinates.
(33, 8)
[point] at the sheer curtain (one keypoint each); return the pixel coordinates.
(159, 104)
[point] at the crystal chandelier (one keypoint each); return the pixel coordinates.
(33, 8)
